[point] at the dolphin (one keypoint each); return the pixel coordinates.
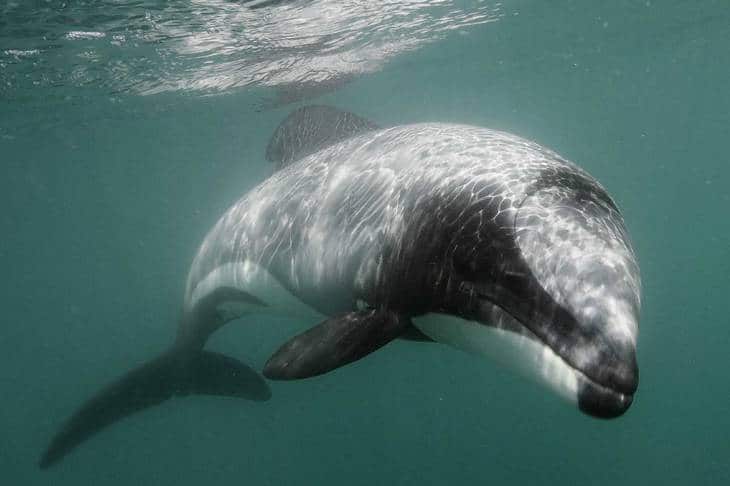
(457, 234)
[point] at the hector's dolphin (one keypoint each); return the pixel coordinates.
(462, 235)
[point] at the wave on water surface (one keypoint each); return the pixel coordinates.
(300, 47)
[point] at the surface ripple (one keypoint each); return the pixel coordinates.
(302, 48)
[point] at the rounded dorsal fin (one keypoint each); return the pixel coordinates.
(311, 128)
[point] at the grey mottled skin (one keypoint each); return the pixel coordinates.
(322, 224)
(476, 238)
(451, 219)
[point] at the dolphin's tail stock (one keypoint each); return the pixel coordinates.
(174, 373)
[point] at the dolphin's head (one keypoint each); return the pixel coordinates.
(583, 281)
(558, 293)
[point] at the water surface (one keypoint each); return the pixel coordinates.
(127, 127)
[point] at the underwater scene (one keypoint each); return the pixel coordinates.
(294, 242)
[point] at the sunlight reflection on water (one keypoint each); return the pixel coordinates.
(210, 46)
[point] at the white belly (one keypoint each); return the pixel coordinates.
(532, 358)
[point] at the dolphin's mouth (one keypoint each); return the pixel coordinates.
(579, 289)
(593, 397)
(497, 335)
(602, 402)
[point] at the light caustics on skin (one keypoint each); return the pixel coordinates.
(323, 226)
(475, 238)
(215, 45)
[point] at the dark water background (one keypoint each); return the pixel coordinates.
(118, 153)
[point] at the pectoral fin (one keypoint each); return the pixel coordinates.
(335, 342)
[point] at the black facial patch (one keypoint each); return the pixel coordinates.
(460, 251)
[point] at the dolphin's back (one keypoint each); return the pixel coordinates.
(324, 224)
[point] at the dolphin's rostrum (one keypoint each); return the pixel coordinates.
(462, 235)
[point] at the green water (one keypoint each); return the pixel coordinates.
(113, 169)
